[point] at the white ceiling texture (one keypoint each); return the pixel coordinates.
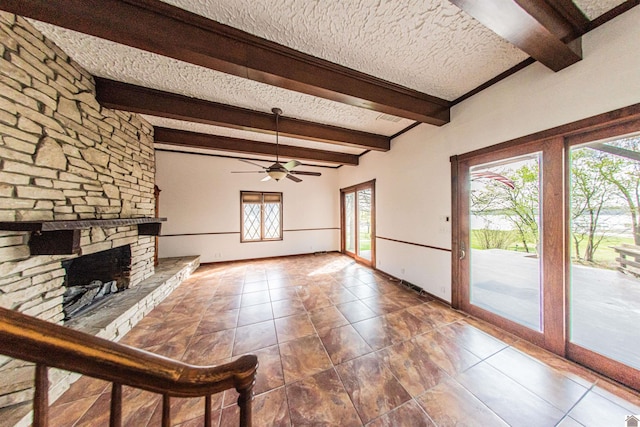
(430, 46)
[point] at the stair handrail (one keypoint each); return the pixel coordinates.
(47, 344)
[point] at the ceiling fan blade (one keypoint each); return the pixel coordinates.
(248, 172)
(266, 178)
(306, 173)
(251, 163)
(292, 164)
(293, 178)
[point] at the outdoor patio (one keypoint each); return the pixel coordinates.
(605, 309)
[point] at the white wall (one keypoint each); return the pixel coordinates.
(413, 189)
(200, 195)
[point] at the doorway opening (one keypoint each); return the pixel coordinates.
(357, 217)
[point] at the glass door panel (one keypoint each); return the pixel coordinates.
(504, 237)
(358, 221)
(364, 224)
(349, 222)
(604, 297)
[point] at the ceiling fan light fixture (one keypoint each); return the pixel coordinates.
(277, 174)
(278, 171)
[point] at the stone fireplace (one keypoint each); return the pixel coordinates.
(63, 158)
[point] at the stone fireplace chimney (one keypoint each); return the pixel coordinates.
(63, 157)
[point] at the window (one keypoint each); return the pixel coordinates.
(261, 216)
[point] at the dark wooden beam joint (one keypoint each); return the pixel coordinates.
(167, 30)
(214, 142)
(137, 99)
(534, 26)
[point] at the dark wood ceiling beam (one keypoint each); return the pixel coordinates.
(534, 26)
(214, 142)
(137, 99)
(167, 30)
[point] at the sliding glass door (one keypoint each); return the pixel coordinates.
(547, 244)
(604, 240)
(358, 221)
(504, 239)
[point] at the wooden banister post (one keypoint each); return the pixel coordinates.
(115, 418)
(244, 402)
(41, 397)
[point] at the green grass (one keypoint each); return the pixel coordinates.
(605, 255)
(365, 242)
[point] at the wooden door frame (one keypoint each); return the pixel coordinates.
(555, 143)
(354, 189)
(542, 339)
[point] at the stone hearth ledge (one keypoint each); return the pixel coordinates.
(112, 320)
(115, 317)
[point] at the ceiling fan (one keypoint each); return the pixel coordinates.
(278, 170)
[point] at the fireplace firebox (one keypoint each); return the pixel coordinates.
(90, 279)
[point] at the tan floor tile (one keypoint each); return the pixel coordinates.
(344, 343)
(207, 349)
(254, 337)
(409, 414)
(321, 400)
(450, 404)
(302, 358)
(508, 399)
(254, 298)
(67, 414)
(473, 339)
(292, 327)
(255, 314)
(449, 356)
(217, 322)
(538, 378)
(269, 410)
(355, 311)
(326, 318)
(371, 386)
(278, 294)
(287, 307)
(595, 410)
(420, 346)
(412, 366)
(378, 333)
(255, 287)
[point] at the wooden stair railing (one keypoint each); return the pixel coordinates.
(49, 345)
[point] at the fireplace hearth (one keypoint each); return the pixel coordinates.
(91, 279)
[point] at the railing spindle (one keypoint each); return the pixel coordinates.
(244, 402)
(115, 418)
(41, 397)
(207, 410)
(166, 410)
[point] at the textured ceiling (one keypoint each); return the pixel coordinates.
(431, 46)
(104, 58)
(594, 8)
(427, 45)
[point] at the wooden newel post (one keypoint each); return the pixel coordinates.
(244, 387)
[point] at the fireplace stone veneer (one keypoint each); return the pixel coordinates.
(62, 157)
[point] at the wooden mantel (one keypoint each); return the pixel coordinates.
(63, 237)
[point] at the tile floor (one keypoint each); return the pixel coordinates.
(340, 345)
